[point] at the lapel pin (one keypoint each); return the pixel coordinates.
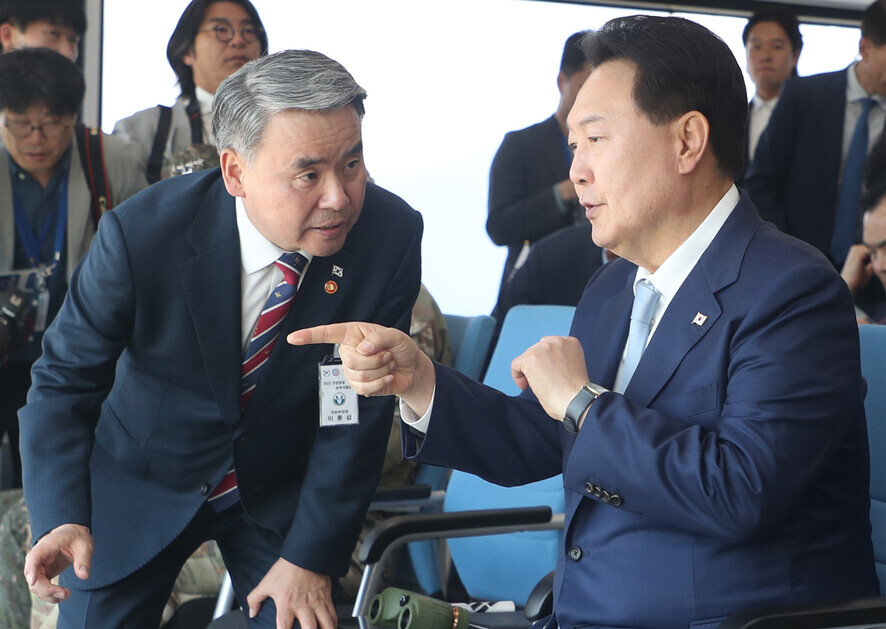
(699, 319)
(330, 287)
(337, 270)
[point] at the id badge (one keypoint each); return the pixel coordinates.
(338, 401)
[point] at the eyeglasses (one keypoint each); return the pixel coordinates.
(225, 33)
(21, 129)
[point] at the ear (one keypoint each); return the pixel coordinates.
(232, 172)
(693, 136)
(188, 57)
(561, 81)
(7, 34)
(864, 47)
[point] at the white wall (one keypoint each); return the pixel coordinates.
(446, 81)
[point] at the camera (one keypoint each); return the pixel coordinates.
(13, 320)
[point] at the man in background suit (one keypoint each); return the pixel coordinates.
(213, 38)
(798, 171)
(530, 195)
(139, 440)
(715, 470)
(46, 207)
(773, 43)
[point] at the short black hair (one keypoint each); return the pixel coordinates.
(785, 19)
(781, 16)
(573, 59)
(873, 23)
(681, 67)
(40, 76)
(21, 13)
(186, 30)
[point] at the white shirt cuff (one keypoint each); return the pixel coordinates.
(412, 420)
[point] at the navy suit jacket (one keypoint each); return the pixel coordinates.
(795, 176)
(522, 205)
(134, 413)
(734, 470)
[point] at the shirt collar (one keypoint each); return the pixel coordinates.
(673, 272)
(256, 251)
(761, 103)
(204, 99)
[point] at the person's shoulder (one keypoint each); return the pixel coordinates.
(172, 196)
(382, 204)
(546, 127)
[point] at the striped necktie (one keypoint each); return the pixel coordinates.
(267, 329)
(643, 309)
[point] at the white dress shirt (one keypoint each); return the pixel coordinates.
(876, 116)
(761, 111)
(204, 100)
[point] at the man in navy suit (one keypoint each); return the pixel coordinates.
(136, 416)
(797, 170)
(731, 469)
(530, 195)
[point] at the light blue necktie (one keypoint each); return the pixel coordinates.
(846, 216)
(641, 318)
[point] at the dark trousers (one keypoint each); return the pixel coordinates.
(15, 380)
(137, 601)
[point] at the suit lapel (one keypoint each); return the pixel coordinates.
(677, 333)
(211, 282)
(610, 334)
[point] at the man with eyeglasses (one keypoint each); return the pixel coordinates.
(212, 40)
(46, 217)
(54, 24)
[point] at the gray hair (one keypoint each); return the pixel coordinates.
(291, 79)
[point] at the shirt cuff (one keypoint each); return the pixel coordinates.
(412, 420)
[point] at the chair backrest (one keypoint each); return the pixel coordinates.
(507, 567)
(469, 338)
(873, 368)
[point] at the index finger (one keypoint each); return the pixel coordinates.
(331, 333)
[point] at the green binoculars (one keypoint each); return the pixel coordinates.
(401, 609)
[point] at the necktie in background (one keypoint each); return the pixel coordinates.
(270, 322)
(846, 216)
(641, 319)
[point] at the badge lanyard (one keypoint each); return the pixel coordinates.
(29, 240)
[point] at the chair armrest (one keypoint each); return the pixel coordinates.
(857, 612)
(406, 498)
(399, 530)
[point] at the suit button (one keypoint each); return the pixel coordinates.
(598, 492)
(575, 553)
(615, 500)
(589, 488)
(204, 488)
(606, 497)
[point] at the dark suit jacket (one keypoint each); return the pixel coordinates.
(556, 272)
(134, 413)
(522, 205)
(734, 470)
(795, 177)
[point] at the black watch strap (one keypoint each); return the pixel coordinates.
(582, 401)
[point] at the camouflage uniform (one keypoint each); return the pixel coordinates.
(428, 330)
(15, 532)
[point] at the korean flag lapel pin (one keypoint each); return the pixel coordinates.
(699, 319)
(331, 286)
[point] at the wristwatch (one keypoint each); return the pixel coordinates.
(583, 400)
